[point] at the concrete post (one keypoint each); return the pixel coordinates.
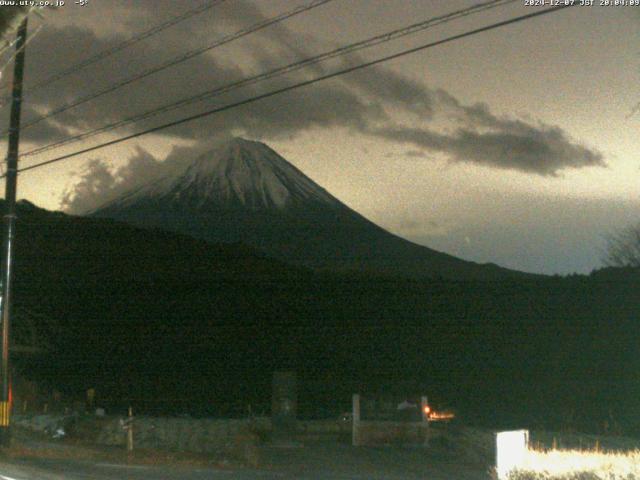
(284, 407)
(355, 428)
(130, 431)
(425, 410)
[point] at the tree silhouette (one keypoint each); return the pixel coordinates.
(623, 248)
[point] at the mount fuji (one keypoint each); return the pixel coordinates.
(243, 191)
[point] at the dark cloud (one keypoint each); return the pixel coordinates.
(44, 132)
(159, 89)
(540, 151)
(384, 85)
(415, 154)
(543, 151)
(353, 101)
(322, 105)
(363, 101)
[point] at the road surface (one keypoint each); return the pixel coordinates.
(309, 463)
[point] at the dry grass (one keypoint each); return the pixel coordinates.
(579, 465)
(26, 444)
(112, 455)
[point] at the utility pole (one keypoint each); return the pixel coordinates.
(10, 219)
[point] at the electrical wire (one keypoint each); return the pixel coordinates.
(342, 51)
(117, 48)
(279, 91)
(175, 61)
(8, 44)
(13, 55)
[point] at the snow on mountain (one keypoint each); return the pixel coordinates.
(243, 191)
(253, 174)
(239, 172)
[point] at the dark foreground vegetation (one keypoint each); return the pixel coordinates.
(175, 325)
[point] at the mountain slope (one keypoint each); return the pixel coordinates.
(243, 191)
(170, 325)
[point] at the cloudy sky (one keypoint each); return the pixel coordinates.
(517, 146)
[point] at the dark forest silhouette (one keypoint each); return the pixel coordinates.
(184, 326)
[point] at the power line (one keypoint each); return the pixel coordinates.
(14, 54)
(8, 44)
(279, 91)
(177, 60)
(117, 48)
(367, 43)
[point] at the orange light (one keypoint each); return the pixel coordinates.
(439, 416)
(427, 409)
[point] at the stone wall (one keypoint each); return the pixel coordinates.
(201, 435)
(183, 434)
(167, 433)
(378, 433)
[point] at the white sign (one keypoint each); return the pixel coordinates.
(511, 448)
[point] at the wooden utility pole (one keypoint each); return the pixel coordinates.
(10, 219)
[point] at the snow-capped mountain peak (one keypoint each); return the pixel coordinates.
(248, 173)
(236, 173)
(243, 191)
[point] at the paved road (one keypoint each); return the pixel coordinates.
(70, 470)
(326, 463)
